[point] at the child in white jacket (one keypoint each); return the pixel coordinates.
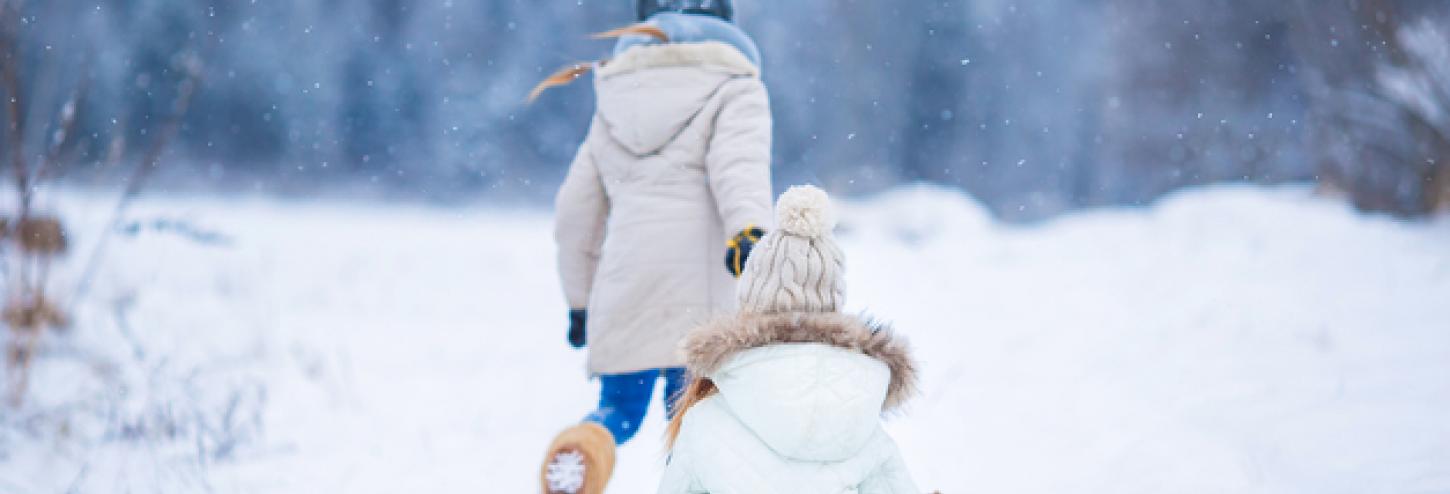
(787, 396)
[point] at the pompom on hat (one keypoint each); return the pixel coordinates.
(805, 211)
(797, 267)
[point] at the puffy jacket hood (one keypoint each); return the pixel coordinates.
(810, 386)
(650, 93)
(806, 401)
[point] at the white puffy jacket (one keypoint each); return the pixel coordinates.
(797, 411)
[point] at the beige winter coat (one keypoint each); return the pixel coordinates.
(676, 161)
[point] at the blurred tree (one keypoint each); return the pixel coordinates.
(1033, 107)
(1378, 72)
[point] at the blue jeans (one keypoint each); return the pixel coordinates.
(624, 399)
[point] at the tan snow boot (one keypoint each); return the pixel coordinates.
(580, 461)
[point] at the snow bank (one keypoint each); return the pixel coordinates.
(1226, 339)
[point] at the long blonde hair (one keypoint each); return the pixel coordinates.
(571, 72)
(699, 389)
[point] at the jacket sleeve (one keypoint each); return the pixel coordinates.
(890, 478)
(580, 211)
(738, 161)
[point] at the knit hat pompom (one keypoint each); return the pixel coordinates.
(804, 210)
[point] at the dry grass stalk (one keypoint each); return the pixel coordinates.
(191, 65)
(27, 317)
(38, 239)
(14, 102)
(33, 314)
(42, 236)
(30, 241)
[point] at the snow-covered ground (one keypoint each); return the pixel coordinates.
(1229, 339)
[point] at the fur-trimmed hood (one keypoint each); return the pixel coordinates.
(811, 386)
(712, 55)
(710, 347)
(649, 94)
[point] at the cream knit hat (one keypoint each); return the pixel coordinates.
(797, 267)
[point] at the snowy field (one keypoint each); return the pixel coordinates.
(1229, 339)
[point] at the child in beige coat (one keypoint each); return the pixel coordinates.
(673, 176)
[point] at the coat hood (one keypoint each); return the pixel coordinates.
(812, 386)
(651, 92)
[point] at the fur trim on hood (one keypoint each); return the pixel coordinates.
(709, 347)
(712, 54)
